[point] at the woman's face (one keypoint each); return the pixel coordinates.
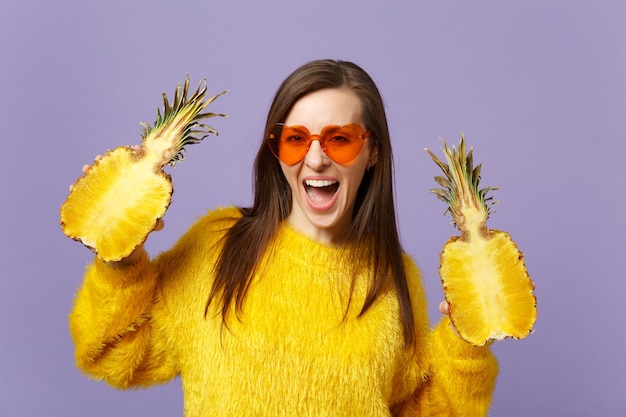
(324, 191)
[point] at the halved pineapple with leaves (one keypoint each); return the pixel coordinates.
(485, 280)
(121, 197)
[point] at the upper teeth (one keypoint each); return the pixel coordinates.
(319, 183)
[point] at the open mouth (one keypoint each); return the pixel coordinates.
(321, 193)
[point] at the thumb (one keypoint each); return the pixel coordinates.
(160, 224)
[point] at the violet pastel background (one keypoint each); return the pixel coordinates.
(538, 87)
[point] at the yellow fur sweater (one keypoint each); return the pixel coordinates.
(292, 351)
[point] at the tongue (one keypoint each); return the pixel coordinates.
(321, 195)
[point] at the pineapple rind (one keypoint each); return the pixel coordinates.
(487, 286)
(113, 208)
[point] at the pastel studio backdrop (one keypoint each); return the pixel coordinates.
(538, 87)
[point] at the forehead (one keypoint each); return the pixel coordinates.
(333, 106)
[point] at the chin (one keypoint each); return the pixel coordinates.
(336, 218)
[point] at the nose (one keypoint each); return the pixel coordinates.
(315, 156)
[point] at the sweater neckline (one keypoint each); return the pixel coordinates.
(300, 246)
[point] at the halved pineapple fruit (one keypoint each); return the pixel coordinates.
(485, 280)
(121, 197)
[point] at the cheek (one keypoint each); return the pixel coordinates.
(291, 174)
(354, 177)
(357, 170)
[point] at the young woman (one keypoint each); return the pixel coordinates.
(303, 304)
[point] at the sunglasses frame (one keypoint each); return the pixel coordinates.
(322, 138)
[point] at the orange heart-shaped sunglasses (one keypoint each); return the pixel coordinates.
(342, 144)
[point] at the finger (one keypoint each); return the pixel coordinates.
(87, 166)
(159, 225)
(444, 307)
(454, 330)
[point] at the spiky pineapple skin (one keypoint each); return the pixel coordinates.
(486, 285)
(110, 222)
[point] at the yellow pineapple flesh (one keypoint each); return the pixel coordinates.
(484, 277)
(118, 201)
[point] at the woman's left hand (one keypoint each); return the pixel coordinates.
(444, 308)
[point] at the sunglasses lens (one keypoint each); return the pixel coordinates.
(342, 144)
(289, 144)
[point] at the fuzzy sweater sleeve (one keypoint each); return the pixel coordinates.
(112, 327)
(121, 323)
(458, 378)
(461, 378)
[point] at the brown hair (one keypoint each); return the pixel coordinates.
(374, 213)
